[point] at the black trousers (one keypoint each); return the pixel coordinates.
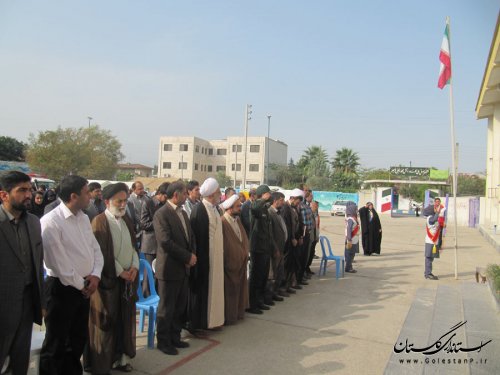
(303, 257)
(145, 282)
(67, 329)
(259, 273)
(16, 346)
(291, 256)
(312, 253)
(173, 300)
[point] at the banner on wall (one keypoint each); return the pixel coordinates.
(327, 198)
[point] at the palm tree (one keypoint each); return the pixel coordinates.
(346, 161)
(314, 162)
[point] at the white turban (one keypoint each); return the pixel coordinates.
(228, 203)
(209, 187)
(297, 193)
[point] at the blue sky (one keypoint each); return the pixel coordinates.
(357, 74)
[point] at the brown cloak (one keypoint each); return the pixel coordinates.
(112, 319)
(235, 272)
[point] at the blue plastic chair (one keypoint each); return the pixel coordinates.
(148, 305)
(339, 260)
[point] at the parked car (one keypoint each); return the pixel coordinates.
(338, 208)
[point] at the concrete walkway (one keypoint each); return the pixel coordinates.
(345, 326)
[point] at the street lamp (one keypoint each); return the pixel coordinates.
(247, 118)
(267, 147)
(90, 118)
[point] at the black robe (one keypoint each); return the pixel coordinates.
(371, 235)
(198, 278)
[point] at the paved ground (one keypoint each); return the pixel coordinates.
(345, 326)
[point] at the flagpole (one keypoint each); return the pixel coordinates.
(454, 162)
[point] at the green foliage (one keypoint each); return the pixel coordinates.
(470, 185)
(414, 192)
(11, 149)
(288, 177)
(223, 179)
(90, 152)
(124, 176)
(493, 273)
(314, 162)
(320, 183)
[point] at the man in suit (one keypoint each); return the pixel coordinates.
(21, 279)
(174, 258)
(279, 234)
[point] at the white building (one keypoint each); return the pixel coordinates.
(488, 107)
(192, 158)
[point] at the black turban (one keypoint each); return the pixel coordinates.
(110, 190)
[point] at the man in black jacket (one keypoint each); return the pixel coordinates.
(261, 249)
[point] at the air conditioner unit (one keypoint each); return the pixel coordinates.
(166, 175)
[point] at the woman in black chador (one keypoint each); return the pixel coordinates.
(371, 229)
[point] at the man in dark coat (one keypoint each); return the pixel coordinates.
(112, 307)
(21, 279)
(279, 235)
(206, 302)
(174, 258)
(261, 249)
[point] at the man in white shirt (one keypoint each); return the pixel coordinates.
(74, 262)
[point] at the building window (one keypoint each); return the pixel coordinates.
(209, 168)
(237, 148)
(238, 167)
(195, 166)
(254, 148)
(183, 165)
(203, 150)
(221, 151)
(210, 151)
(167, 165)
(197, 148)
(183, 147)
(221, 168)
(253, 167)
(167, 147)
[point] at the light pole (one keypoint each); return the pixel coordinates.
(247, 118)
(236, 165)
(267, 147)
(90, 118)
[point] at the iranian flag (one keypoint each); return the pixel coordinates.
(445, 58)
(386, 203)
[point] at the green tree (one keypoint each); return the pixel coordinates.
(124, 176)
(223, 179)
(90, 152)
(373, 174)
(287, 176)
(11, 149)
(345, 166)
(470, 185)
(314, 162)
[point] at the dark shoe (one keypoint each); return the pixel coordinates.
(283, 294)
(170, 350)
(277, 298)
(269, 303)
(180, 344)
(352, 271)
(431, 277)
(264, 307)
(296, 287)
(291, 291)
(254, 311)
(125, 368)
(310, 273)
(315, 257)
(303, 282)
(307, 277)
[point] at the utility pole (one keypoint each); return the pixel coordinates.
(90, 118)
(247, 118)
(267, 147)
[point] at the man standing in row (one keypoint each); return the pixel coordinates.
(280, 235)
(261, 248)
(175, 258)
(21, 262)
(236, 249)
(74, 263)
(207, 287)
(112, 307)
(193, 198)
